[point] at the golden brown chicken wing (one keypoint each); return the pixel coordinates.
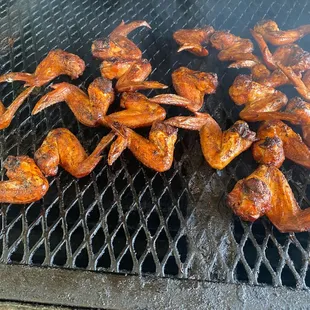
(56, 63)
(267, 192)
(268, 150)
(62, 148)
(7, 114)
(91, 109)
(272, 34)
(192, 40)
(26, 182)
(219, 148)
(259, 100)
(156, 152)
(233, 48)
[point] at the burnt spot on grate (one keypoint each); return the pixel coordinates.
(126, 218)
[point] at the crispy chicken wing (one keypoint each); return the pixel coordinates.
(272, 34)
(91, 110)
(122, 59)
(192, 40)
(7, 114)
(26, 182)
(62, 148)
(267, 192)
(56, 63)
(156, 152)
(259, 100)
(269, 150)
(219, 148)
(233, 48)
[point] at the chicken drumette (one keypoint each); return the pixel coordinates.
(272, 34)
(122, 59)
(267, 192)
(219, 148)
(62, 148)
(26, 182)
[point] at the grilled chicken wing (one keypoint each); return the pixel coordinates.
(191, 85)
(26, 182)
(277, 139)
(272, 34)
(91, 110)
(7, 114)
(56, 63)
(156, 152)
(259, 100)
(122, 59)
(62, 148)
(267, 192)
(192, 40)
(219, 148)
(233, 48)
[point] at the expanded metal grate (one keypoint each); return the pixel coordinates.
(127, 218)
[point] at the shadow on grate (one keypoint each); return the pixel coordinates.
(127, 218)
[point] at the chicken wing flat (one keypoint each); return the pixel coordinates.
(156, 152)
(56, 63)
(192, 40)
(272, 34)
(269, 150)
(26, 182)
(259, 100)
(233, 48)
(219, 148)
(62, 148)
(267, 192)
(7, 114)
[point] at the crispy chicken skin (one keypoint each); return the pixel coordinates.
(192, 40)
(219, 148)
(26, 182)
(62, 148)
(91, 109)
(233, 48)
(272, 34)
(7, 114)
(267, 192)
(156, 152)
(269, 150)
(259, 100)
(122, 59)
(56, 63)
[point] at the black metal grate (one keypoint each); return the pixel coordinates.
(126, 218)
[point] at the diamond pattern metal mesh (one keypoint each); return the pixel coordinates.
(127, 218)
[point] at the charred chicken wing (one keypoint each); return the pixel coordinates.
(267, 192)
(272, 34)
(219, 148)
(192, 40)
(26, 182)
(62, 148)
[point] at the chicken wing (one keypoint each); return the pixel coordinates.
(219, 148)
(233, 48)
(272, 34)
(122, 59)
(7, 114)
(259, 100)
(269, 150)
(156, 152)
(56, 63)
(91, 109)
(26, 182)
(192, 40)
(62, 148)
(267, 192)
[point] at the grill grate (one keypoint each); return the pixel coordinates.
(126, 218)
